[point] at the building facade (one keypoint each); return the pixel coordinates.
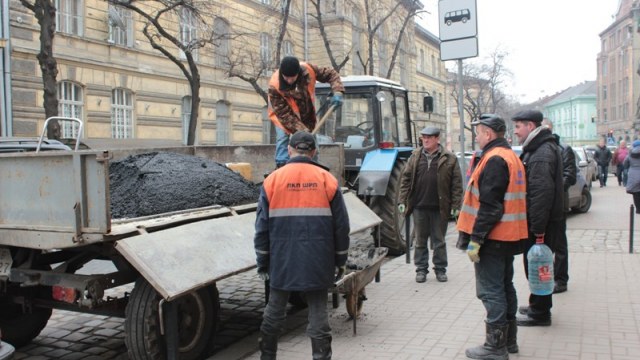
(573, 114)
(111, 77)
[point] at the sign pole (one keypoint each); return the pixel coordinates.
(461, 113)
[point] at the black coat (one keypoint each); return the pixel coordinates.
(602, 155)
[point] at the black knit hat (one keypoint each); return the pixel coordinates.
(290, 66)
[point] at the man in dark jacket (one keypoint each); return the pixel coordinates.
(603, 158)
(542, 160)
(493, 220)
(430, 188)
(302, 237)
(569, 176)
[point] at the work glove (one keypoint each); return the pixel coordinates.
(455, 213)
(340, 270)
(401, 208)
(336, 99)
(263, 275)
(473, 251)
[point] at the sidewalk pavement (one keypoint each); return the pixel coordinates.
(597, 318)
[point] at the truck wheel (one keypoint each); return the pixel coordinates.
(20, 326)
(392, 226)
(197, 321)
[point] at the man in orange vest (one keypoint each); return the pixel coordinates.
(292, 99)
(493, 221)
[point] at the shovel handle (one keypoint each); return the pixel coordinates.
(323, 119)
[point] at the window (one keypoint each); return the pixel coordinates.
(421, 64)
(604, 92)
(186, 118)
(265, 49)
(403, 64)
(69, 16)
(188, 31)
(221, 43)
(604, 68)
(222, 124)
(121, 114)
(287, 48)
(70, 104)
(120, 26)
(433, 65)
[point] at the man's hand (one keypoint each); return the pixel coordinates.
(340, 270)
(263, 275)
(539, 238)
(473, 251)
(455, 213)
(336, 99)
(401, 208)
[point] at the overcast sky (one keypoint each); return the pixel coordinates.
(552, 44)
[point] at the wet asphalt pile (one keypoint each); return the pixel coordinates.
(159, 182)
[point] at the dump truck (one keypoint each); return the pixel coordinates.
(55, 218)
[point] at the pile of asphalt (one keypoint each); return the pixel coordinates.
(160, 182)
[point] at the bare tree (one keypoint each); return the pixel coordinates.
(158, 14)
(337, 65)
(45, 13)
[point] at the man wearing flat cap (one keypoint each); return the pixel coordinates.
(430, 189)
(542, 159)
(301, 241)
(291, 99)
(493, 224)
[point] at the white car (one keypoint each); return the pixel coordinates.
(6, 350)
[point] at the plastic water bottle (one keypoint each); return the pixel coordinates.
(540, 260)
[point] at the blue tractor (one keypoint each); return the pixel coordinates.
(378, 137)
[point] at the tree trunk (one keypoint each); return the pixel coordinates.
(195, 104)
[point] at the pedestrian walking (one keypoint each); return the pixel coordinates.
(301, 240)
(542, 160)
(603, 157)
(632, 165)
(430, 189)
(493, 219)
(569, 176)
(292, 99)
(619, 155)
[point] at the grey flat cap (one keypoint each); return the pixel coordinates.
(528, 115)
(431, 131)
(493, 121)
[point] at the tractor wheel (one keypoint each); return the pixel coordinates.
(386, 207)
(197, 321)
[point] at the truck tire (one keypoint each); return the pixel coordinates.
(386, 207)
(197, 321)
(20, 326)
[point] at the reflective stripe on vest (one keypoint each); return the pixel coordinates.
(513, 224)
(274, 83)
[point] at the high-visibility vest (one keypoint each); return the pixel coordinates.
(275, 84)
(513, 224)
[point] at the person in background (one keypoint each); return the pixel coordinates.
(542, 160)
(493, 219)
(301, 240)
(632, 165)
(569, 176)
(619, 155)
(430, 189)
(603, 156)
(291, 99)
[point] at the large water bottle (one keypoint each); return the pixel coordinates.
(540, 260)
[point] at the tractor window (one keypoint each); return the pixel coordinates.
(351, 124)
(401, 113)
(389, 126)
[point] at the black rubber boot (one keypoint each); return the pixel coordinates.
(268, 346)
(321, 348)
(512, 337)
(495, 345)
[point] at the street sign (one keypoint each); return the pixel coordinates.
(457, 19)
(459, 49)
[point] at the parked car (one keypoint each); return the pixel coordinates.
(587, 165)
(579, 193)
(6, 350)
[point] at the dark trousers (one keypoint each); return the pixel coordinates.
(604, 172)
(561, 255)
(429, 225)
(636, 202)
(494, 287)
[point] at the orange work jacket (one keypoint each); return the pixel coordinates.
(275, 84)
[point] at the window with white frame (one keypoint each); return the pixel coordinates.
(188, 31)
(121, 114)
(70, 104)
(223, 126)
(120, 26)
(421, 63)
(186, 117)
(265, 49)
(221, 43)
(287, 48)
(69, 16)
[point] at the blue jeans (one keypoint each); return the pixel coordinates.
(494, 287)
(275, 313)
(428, 224)
(282, 143)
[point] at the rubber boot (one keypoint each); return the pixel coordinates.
(512, 337)
(321, 348)
(268, 346)
(495, 345)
